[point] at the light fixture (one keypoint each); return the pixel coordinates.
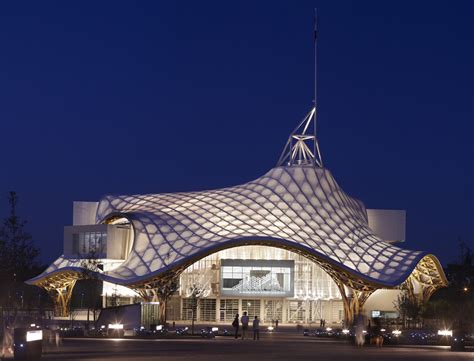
(115, 326)
(34, 335)
(445, 333)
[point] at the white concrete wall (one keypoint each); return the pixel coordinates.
(381, 300)
(84, 213)
(388, 224)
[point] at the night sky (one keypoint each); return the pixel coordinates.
(149, 97)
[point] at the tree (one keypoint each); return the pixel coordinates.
(164, 292)
(453, 306)
(18, 255)
(91, 267)
(408, 308)
(195, 292)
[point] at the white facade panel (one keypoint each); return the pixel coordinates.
(84, 213)
(388, 224)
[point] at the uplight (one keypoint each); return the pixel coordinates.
(159, 327)
(115, 326)
(270, 328)
(328, 329)
(215, 329)
(396, 332)
(383, 330)
(345, 331)
(34, 335)
(445, 333)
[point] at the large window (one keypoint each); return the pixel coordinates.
(228, 309)
(257, 277)
(207, 309)
(89, 243)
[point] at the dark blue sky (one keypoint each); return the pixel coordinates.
(125, 97)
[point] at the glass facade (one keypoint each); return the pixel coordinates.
(89, 243)
(272, 283)
(257, 277)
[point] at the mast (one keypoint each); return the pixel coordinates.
(315, 150)
(298, 149)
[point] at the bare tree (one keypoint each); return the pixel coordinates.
(91, 267)
(164, 292)
(195, 292)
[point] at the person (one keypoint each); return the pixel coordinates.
(256, 330)
(245, 324)
(235, 325)
(359, 331)
(276, 324)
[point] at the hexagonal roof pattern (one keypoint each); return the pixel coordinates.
(293, 206)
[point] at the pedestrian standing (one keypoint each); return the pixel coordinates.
(235, 325)
(276, 324)
(245, 324)
(256, 328)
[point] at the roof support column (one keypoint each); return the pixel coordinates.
(159, 291)
(61, 297)
(353, 301)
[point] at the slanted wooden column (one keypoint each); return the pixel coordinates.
(353, 301)
(61, 296)
(159, 291)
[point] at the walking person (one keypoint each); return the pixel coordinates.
(256, 328)
(235, 325)
(245, 324)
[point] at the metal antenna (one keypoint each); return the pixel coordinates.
(315, 76)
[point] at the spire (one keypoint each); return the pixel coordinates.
(302, 147)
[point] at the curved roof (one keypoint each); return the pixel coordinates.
(296, 207)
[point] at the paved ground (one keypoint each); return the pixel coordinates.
(271, 347)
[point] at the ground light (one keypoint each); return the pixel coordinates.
(396, 333)
(345, 331)
(445, 333)
(270, 328)
(35, 335)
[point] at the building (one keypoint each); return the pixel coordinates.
(288, 246)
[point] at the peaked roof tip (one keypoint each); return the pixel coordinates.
(302, 147)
